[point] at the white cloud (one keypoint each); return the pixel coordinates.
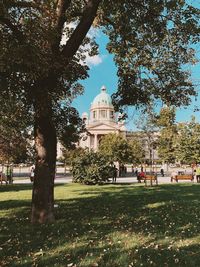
(94, 60)
(93, 32)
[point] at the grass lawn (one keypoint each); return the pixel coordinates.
(107, 226)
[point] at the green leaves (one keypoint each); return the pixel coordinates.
(91, 168)
(188, 142)
(116, 148)
(151, 41)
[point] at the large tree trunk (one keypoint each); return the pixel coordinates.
(45, 144)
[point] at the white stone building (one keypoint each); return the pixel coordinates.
(100, 121)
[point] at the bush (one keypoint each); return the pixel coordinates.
(91, 168)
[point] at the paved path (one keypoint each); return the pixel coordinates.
(123, 180)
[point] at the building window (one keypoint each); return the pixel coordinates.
(103, 113)
(94, 114)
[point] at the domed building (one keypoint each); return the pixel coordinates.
(102, 120)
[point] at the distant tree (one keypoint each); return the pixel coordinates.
(188, 142)
(166, 142)
(116, 148)
(69, 155)
(137, 151)
(150, 41)
(149, 133)
(15, 143)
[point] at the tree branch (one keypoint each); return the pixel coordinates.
(82, 29)
(62, 6)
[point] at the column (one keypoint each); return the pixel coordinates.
(95, 142)
(88, 142)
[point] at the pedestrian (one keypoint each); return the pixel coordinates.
(198, 173)
(114, 179)
(9, 174)
(133, 169)
(162, 172)
(32, 173)
(136, 171)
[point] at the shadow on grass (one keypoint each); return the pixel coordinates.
(19, 187)
(15, 187)
(110, 226)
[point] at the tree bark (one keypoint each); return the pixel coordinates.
(45, 144)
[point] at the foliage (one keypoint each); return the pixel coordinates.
(111, 225)
(148, 135)
(166, 143)
(69, 126)
(15, 140)
(167, 117)
(151, 41)
(69, 155)
(91, 168)
(136, 150)
(116, 148)
(188, 142)
(156, 37)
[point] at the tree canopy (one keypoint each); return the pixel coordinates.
(150, 41)
(188, 142)
(116, 148)
(168, 134)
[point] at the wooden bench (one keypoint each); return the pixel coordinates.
(3, 178)
(182, 177)
(151, 178)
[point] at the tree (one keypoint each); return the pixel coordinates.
(91, 168)
(15, 144)
(150, 42)
(116, 148)
(149, 133)
(188, 142)
(69, 155)
(137, 150)
(166, 143)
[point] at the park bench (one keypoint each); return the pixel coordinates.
(182, 177)
(152, 178)
(3, 178)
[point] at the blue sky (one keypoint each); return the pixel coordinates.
(104, 72)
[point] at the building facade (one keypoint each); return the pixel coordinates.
(103, 120)
(100, 121)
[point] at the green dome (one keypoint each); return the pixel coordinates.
(102, 99)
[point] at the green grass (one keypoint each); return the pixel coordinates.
(107, 226)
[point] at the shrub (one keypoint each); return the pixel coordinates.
(91, 168)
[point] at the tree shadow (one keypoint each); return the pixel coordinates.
(15, 187)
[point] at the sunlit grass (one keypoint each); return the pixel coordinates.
(111, 225)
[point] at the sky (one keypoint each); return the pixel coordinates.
(104, 72)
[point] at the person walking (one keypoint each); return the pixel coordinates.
(32, 173)
(198, 173)
(162, 172)
(9, 174)
(114, 174)
(136, 171)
